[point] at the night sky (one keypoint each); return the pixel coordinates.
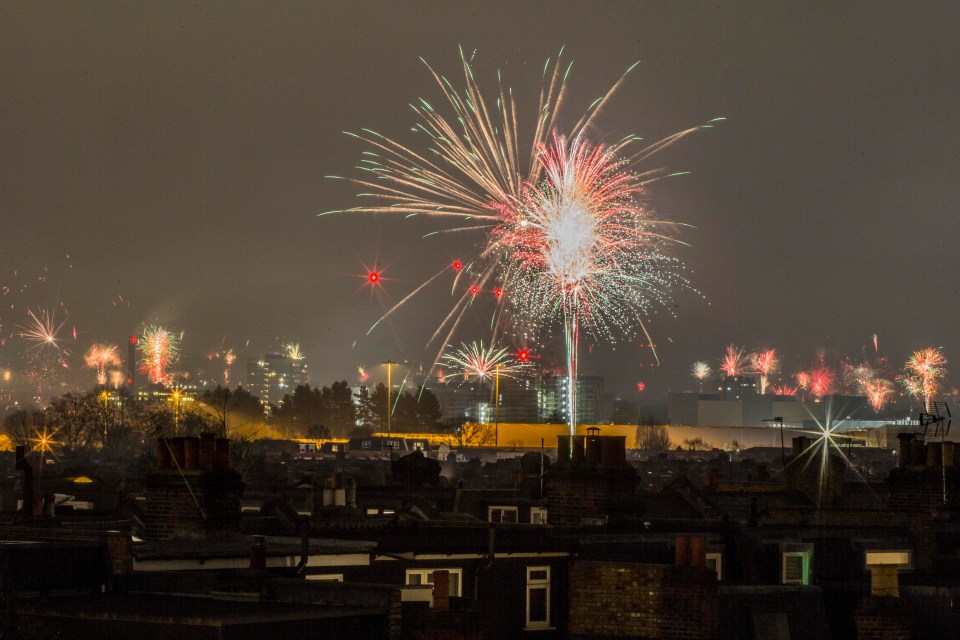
(177, 153)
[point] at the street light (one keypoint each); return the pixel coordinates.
(496, 406)
(175, 394)
(389, 364)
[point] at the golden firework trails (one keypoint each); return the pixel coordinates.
(566, 236)
(479, 363)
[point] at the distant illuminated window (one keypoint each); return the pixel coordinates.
(418, 577)
(538, 515)
(538, 598)
(796, 567)
(502, 514)
(715, 562)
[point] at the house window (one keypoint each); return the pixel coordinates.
(365, 444)
(325, 577)
(393, 444)
(502, 514)
(715, 562)
(538, 598)
(333, 448)
(538, 515)
(418, 577)
(796, 567)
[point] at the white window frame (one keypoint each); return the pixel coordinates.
(426, 578)
(365, 444)
(804, 567)
(542, 583)
(717, 559)
(503, 509)
(538, 515)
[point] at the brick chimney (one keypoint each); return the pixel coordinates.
(193, 489)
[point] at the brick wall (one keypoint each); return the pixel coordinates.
(588, 493)
(212, 501)
(642, 601)
(881, 618)
(921, 490)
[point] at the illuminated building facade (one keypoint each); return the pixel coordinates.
(552, 399)
(274, 375)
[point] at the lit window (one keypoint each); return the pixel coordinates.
(502, 514)
(538, 598)
(796, 567)
(419, 577)
(538, 515)
(325, 577)
(715, 562)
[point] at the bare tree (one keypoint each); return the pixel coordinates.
(652, 438)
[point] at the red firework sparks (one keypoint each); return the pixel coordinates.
(822, 381)
(735, 362)
(784, 390)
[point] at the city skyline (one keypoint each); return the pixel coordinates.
(168, 167)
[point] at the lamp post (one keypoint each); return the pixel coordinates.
(389, 364)
(783, 455)
(496, 406)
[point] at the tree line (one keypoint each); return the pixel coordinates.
(116, 419)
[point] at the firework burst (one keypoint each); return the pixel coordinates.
(480, 363)
(99, 357)
(783, 390)
(923, 372)
(42, 332)
(878, 393)
(701, 371)
(765, 363)
(159, 352)
(564, 230)
(292, 351)
(735, 362)
(822, 381)
(45, 353)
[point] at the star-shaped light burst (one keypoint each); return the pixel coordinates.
(825, 450)
(43, 332)
(44, 442)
